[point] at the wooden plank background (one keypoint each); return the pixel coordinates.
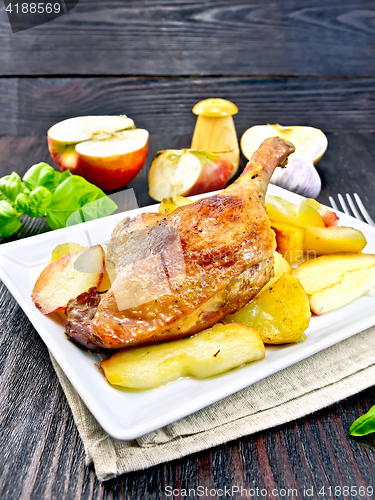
(190, 37)
(292, 62)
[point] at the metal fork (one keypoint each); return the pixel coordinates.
(360, 216)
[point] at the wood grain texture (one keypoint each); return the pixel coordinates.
(43, 456)
(163, 105)
(187, 37)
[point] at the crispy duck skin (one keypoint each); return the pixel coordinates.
(179, 274)
(80, 312)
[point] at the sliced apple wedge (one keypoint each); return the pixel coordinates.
(333, 239)
(280, 210)
(64, 249)
(167, 205)
(307, 214)
(289, 241)
(301, 137)
(68, 277)
(353, 285)
(187, 172)
(106, 150)
(323, 272)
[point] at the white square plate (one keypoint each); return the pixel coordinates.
(128, 415)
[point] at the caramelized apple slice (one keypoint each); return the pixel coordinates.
(323, 272)
(170, 203)
(307, 214)
(353, 285)
(280, 210)
(206, 354)
(67, 278)
(333, 239)
(64, 249)
(289, 240)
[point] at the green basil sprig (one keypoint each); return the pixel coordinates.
(364, 425)
(63, 198)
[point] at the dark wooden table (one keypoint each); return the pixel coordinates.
(138, 58)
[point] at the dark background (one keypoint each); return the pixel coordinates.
(291, 62)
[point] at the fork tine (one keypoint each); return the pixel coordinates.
(353, 207)
(343, 204)
(333, 203)
(363, 210)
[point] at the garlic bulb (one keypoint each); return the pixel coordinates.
(300, 175)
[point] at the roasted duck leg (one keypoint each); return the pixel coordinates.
(179, 274)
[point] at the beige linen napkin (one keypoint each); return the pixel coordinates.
(329, 376)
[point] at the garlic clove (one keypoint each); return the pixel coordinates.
(300, 175)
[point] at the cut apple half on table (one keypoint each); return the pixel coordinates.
(106, 150)
(301, 137)
(187, 172)
(68, 277)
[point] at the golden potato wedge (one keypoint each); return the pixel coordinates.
(280, 266)
(170, 203)
(65, 249)
(281, 313)
(327, 270)
(333, 239)
(289, 240)
(67, 278)
(208, 353)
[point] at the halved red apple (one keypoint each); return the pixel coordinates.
(106, 150)
(68, 277)
(187, 172)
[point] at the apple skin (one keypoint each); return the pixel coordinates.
(329, 217)
(212, 177)
(60, 281)
(64, 155)
(108, 173)
(111, 172)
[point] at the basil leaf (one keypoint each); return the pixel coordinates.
(69, 198)
(22, 203)
(39, 200)
(10, 187)
(364, 425)
(44, 175)
(9, 219)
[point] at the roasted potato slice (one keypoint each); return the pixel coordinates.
(281, 313)
(208, 353)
